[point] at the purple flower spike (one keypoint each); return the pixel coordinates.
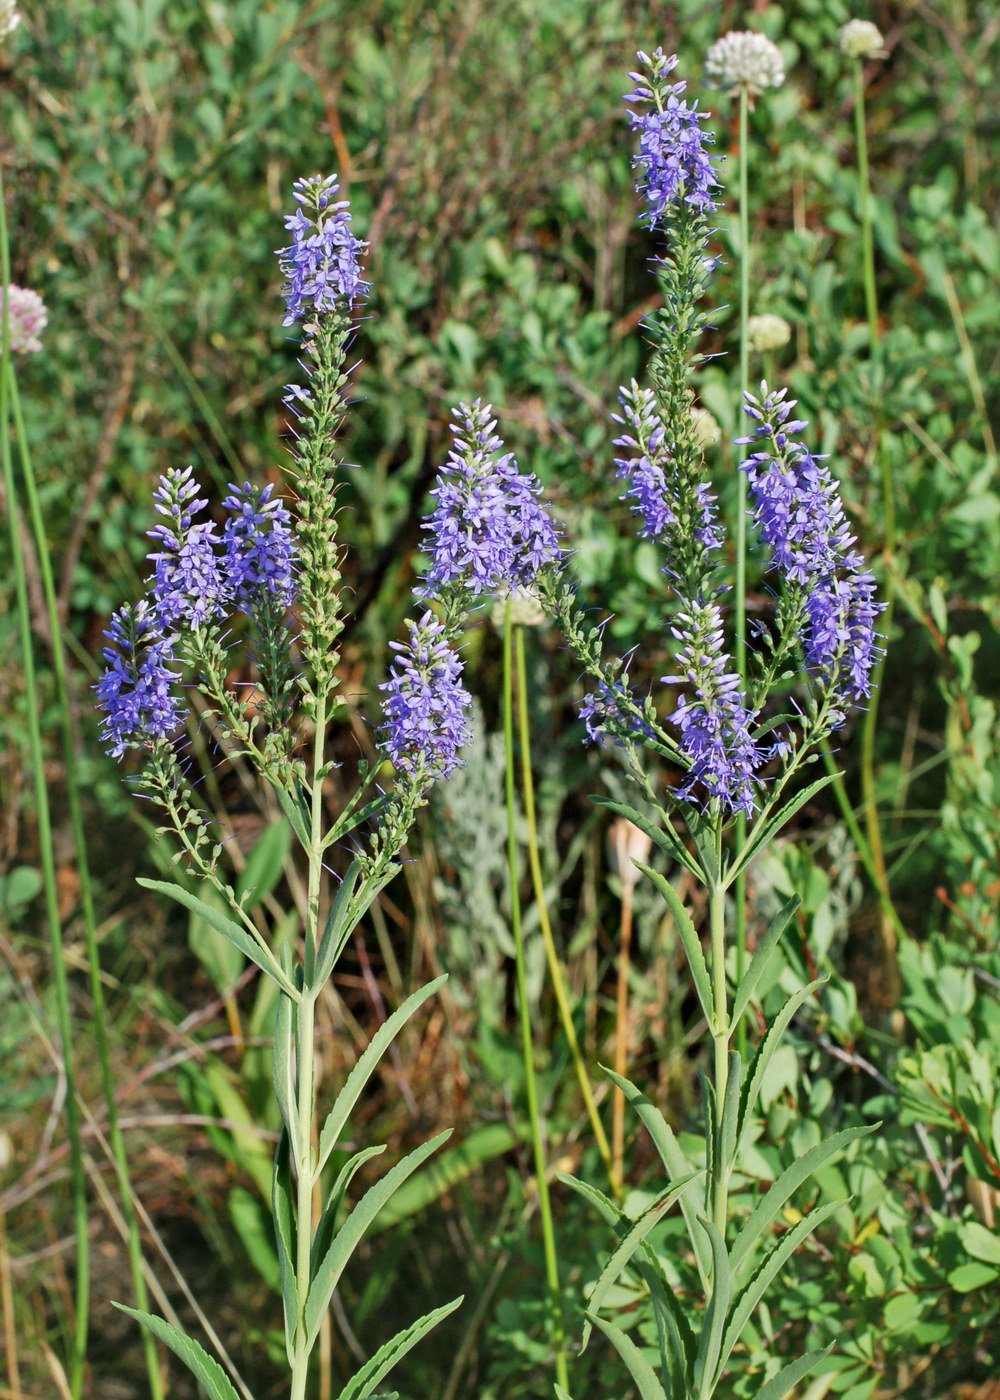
(425, 722)
(137, 690)
(321, 265)
(801, 516)
(188, 583)
(714, 722)
(488, 531)
(674, 163)
(260, 548)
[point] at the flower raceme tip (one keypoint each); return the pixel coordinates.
(322, 264)
(674, 161)
(425, 706)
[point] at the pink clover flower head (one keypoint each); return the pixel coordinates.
(27, 317)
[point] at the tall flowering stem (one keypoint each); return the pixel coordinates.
(252, 571)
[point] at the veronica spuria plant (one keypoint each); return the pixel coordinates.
(741, 749)
(272, 579)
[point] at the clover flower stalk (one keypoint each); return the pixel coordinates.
(26, 313)
(254, 571)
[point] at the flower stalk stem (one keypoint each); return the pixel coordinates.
(720, 1039)
(527, 1046)
(740, 597)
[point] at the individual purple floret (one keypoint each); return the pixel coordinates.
(260, 547)
(603, 704)
(137, 690)
(653, 488)
(425, 722)
(188, 582)
(714, 722)
(797, 504)
(488, 531)
(321, 265)
(673, 160)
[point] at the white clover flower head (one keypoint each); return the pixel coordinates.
(743, 58)
(768, 332)
(706, 428)
(859, 38)
(525, 609)
(10, 17)
(27, 319)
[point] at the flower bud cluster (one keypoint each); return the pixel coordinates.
(744, 59)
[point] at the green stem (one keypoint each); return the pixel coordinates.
(867, 237)
(740, 599)
(305, 1024)
(538, 884)
(60, 979)
(527, 1048)
(720, 1040)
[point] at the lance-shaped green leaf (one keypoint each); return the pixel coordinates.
(677, 1166)
(714, 1323)
(327, 1275)
(349, 908)
(284, 1234)
(282, 1060)
(207, 1371)
(327, 1227)
(298, 810)
(670, 1320)
(765, 1050)
(789, 1181)
(665, 837)
(761, 957)
(646, 1382)
(561, 1394)
(628, 1246)
(726, 1145)
(612, 1214)
(256, 951)
(766, 829)
(779, 1386)
(359, 1387)
(354, 1084)
(765, 1276)
(689, 937)
(483, 1144)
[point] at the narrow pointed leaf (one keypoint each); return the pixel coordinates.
(646, 1382)
(780, 1385)
(714, 1324)
(765, 1275)
(328, 1221)
(726, 1146)
(675, 1162)
(788, 1182)
(667, 839)
(670, 1316)
(761, 958)
(637, 1232)
(612, 1213)
(203, 1367)
(284, 1234)
(334, 1262)
(360, 1386)
(355, 1083)
(236, 935)
(766, 1048)
(282, 1062)
(689, 937)
(561, 1394)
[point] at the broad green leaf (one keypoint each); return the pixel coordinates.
(634, 1237)
(768, 1271)
(788, 1182)
(779, 1387)
(968, 1277)
(327, 1275)
(647, 1384)
(713, 1326)
(765, 1050)
(677, 1166)
(766, 830)
(355, 1083)
(207, 1371)
(265, 864)
(979, 1242)
(667, 840)
(761, 957)
(256, 952)
(359, 1387)
(285, 1238)
(689, 937)
(483, 1144)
